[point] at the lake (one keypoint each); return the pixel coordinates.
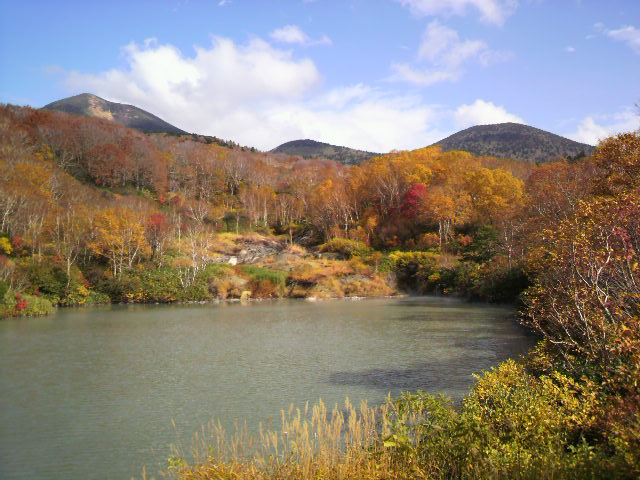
(91, 393)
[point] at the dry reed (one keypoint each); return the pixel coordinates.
(345, 443)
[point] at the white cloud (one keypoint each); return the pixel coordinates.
(483, 113)
(491, 11)
(570, 49)
(422, 77)
(292, 34)
(447, 54)
(437, 39)
(594, 128)
(629, 35)
(377, 121)
(260, 95)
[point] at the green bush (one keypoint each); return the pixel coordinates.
(37, 306)
(494, 281)
(512, 425)
(277, 277)
(158, 285)
(265, 282)
(4, 288)
(127, 287)
(502, 284)
(78, 294)
(483, 246)
(415, 270)
(161, 285)
(346, 248)
(17, 304)
(47, 277)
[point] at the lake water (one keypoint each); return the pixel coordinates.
(91, 393)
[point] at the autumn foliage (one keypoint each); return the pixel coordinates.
(92, 212)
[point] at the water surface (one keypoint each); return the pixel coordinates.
(91, 393)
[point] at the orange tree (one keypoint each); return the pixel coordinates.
(586, 297)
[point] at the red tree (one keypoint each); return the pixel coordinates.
(412, 198)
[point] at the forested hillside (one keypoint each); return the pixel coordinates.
(314, 149)
(514, 140)
(91, 208)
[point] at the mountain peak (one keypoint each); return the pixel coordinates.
(514, 140)
(308, 148)
(91, 105)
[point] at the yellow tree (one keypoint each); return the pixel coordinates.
(439, 206)
(447, 201)
(34, 186)
(498, 197)
(70, 233)
(119, 237)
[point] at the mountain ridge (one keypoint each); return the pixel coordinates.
(308, 148)
(502, 140)
(90, 105)
(516, 141)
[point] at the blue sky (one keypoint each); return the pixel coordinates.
(376, 75)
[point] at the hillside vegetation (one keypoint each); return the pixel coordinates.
(513, 140)
(96, 212)
(314, 149)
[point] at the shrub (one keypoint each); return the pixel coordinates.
(414, 269)
(265, 282)
(5, 246)
(429, 240)
(501, 284)
(4, 288)
(158, 285)
(18, 304)
(277, 277)
(346, 248)
(483, 245)
(533, 425)
(78, 294)
(48, 278)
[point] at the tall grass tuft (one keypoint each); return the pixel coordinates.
(348, 442)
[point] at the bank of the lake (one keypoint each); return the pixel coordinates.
(95, 389)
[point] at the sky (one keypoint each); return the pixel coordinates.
(376, 75)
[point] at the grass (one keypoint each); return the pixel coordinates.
(277, 277)
(342, 443)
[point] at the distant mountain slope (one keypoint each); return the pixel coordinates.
(513, 140)
(313, 149)
(127, 115)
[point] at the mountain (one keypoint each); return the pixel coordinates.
(514, 140)
(133, 117)
(313, 149)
